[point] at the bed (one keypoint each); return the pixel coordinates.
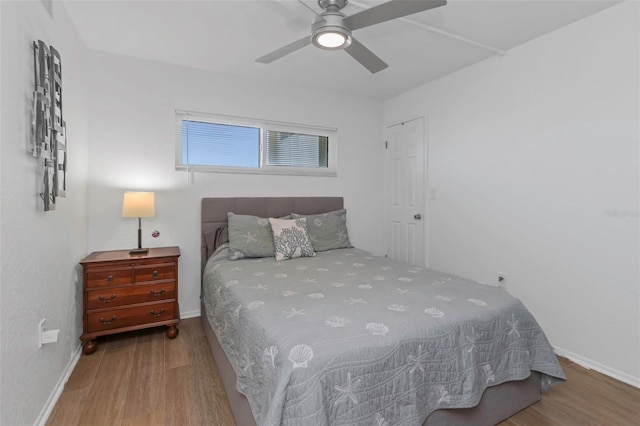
(346, 338)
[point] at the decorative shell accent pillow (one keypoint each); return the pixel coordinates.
(327, 230)
(291, 238)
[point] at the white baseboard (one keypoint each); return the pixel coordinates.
(57, 390)
(600, 368)
(189, 314)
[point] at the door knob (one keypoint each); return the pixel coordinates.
(417, 216)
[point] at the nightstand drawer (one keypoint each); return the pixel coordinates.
(106, 298)
(102, 277)
(166, 271)
(126, 317)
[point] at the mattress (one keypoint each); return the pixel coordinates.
(347, 338)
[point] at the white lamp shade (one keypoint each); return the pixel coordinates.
(138, 204)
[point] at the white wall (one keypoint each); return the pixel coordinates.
(40, 250)
(529, 154)
(132, 129)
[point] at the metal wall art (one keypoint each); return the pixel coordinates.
(48, 129)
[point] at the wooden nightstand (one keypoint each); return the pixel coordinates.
(123, 292)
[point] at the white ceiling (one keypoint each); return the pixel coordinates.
(227, 36)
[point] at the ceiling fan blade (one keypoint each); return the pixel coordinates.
(293, 20)
(388, 11)
(285, 50)
(308, 7)
(367, 58)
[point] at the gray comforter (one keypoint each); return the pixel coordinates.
(345, 338)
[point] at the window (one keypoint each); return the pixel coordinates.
(229, 144)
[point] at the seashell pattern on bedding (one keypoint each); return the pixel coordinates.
(300, 355)
(321, 340)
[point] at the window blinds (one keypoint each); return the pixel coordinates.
(295, 149)
(212, 144)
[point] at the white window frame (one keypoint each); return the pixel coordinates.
(264, 125)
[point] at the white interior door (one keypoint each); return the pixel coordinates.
(405, 183)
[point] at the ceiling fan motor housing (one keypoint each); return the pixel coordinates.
(339, 4)
(330, 21)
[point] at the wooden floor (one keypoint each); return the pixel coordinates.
(586, 398)
(143, 378)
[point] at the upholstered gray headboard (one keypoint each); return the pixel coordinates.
(214, 210)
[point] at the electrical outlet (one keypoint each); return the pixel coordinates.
(502, 280)
(50, 336)
(46, 336)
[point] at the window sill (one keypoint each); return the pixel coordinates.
(282, 171)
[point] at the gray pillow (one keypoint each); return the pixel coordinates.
(327, 230)
(249, 236)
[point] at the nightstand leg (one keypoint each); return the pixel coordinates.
(172, 331)
(89, 347)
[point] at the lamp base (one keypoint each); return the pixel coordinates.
(139, 251)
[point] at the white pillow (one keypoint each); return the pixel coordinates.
(291, 238)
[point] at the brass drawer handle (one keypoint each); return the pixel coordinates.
(155, 274)
(103, 321)
(156, 293)
(110, 278)
(157, 314)
(105, 300)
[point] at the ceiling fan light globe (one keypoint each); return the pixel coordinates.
(331, 40)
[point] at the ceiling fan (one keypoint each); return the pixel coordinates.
(332, 29)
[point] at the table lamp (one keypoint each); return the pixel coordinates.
(138, 204)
